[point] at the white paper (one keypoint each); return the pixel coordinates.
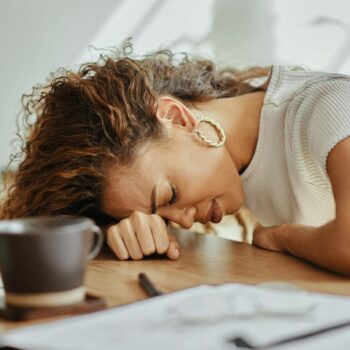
(203, 317)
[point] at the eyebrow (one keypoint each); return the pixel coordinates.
(153, 201)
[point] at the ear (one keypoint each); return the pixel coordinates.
(172, 112)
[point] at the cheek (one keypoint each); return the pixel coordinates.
(203, 173)
(206, 178)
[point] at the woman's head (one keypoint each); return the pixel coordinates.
(178, 179)
(100, 130)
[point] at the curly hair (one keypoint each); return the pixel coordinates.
(80, 122)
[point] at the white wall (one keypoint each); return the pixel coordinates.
(314, 33)
(38, 36)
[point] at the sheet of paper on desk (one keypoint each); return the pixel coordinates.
(203, 317)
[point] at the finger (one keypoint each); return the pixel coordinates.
(173, 252)
(131, 242)
(258, 229)
(173, 239)
(160, 234)
(116, 243)
(145, 238)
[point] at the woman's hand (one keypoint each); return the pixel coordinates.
(267, 238)
(140, 235)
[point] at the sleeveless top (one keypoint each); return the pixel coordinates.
(304, 115)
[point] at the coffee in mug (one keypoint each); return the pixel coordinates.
(43, 259)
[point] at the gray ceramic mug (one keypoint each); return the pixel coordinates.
(43, 259)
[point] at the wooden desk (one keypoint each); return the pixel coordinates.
(204, 259)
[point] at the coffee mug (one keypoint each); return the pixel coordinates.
(43, 259)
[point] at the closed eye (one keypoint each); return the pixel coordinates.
(172, 201)
(174, 196)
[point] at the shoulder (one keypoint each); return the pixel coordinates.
(324, 100)
(286, 81)
(318, 116)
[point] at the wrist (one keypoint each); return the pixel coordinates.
(280, 234)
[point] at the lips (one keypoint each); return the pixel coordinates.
(210, 213)
(214, 213)
(217, 213)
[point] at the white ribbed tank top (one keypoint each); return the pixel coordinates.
(304, 115)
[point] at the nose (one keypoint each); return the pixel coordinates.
(182, 216)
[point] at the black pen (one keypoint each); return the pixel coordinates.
(148, 286)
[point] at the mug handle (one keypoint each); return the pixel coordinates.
(96, 249)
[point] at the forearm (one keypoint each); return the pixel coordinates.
(326, 245)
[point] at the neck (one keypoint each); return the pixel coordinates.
(239, 117)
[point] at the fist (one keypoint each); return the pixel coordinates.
(140, 235)
(267, 238)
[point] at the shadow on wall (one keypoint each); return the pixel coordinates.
(241, 33)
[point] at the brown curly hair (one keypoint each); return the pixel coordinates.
(99, 115)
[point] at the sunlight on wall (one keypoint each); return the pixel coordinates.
(314, 33)
(42, 35)
(156, 24)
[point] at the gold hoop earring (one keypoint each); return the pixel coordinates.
(218, 129)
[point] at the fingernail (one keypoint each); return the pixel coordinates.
(176, 253)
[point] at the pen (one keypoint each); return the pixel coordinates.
(148, 286)
(242, 343)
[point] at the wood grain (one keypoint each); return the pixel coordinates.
(204, 259)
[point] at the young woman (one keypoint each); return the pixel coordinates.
(133, 143)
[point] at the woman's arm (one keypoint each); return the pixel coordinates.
(327, 245)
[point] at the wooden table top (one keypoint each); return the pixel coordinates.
(204, 259)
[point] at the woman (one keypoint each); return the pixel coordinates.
(133, 142)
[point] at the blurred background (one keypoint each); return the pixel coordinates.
(39, 36)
